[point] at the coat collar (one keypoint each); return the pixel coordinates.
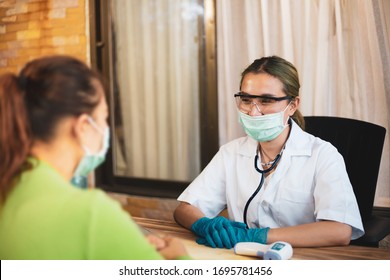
(298, 144)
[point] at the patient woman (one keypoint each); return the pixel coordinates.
(53, 126)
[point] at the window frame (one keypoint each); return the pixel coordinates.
(102, 60)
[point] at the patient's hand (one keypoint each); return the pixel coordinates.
(174, 249)
(156, 241)
(169, 247)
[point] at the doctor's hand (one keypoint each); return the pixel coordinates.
(258, 235)
(217, 232)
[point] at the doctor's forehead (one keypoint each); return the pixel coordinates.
(261, 83)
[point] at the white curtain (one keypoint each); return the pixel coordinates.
(340, 48)
(157, 75)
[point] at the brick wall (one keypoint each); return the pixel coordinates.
(34, 28)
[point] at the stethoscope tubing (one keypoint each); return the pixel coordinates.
(262, 172)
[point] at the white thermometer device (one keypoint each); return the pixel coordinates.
(279, 250)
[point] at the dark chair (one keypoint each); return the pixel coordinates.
(361, 144)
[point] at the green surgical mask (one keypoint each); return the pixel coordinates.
(263, 128)
(90, 160)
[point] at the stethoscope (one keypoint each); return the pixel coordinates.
(262, 172)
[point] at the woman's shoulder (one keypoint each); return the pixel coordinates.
(304, 140)
(97, 201)
(43, 183)
(243, 145)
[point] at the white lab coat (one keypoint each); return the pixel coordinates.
(309, 184)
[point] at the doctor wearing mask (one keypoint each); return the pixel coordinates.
(278, 182)
(53, 127)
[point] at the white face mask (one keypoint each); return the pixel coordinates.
(90, 161)
(263, 128)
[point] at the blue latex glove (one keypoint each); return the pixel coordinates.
(258, 235)
(217, 232)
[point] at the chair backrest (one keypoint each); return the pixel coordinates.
(361, 144)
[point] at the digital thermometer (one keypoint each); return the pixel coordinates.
(279, 250)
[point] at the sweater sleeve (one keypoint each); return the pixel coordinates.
(113, 235)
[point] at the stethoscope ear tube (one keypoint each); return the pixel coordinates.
(262, 172)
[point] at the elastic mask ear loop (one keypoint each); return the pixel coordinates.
(93, 123)
(286, 124)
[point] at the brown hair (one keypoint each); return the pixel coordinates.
(282, 70)
(31, 104)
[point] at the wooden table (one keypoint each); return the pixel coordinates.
(202, 252)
